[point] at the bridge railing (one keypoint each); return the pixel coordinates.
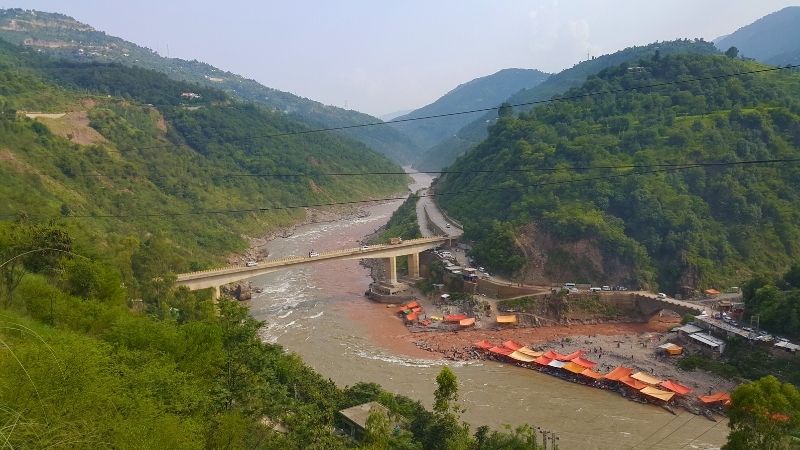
(322, 255)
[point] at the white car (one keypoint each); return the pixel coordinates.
(312, 254)
(662, 295)
(251, 264)
(364, 248)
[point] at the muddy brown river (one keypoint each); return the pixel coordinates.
(320, 313)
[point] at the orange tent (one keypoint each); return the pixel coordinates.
(412, 317)
(554, 355)
(717, 397)
(647, 379)
(467, 322)
(501, 351)
(413, 304)
(512, 345)
(571, 356)
(574, 368)
(618, 373)
(543, 360)
(530, 352)
(455, 317)
(657, 393)
(592, 374)
(521, 356)
(484, 344)
(584, 362)
(636, 384)
(676, 387)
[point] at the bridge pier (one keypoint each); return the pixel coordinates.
(391, 269)
(215, 293)
(413, 265)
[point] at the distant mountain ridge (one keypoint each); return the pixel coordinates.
(445, 153)
(483, 92)
(773, 39)
(64, 37)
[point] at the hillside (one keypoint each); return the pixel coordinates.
(773, 39)
(698, 227)
(484, 92)
(106, 153)
(443, 154)
(66, 38)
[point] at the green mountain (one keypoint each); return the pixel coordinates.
(66, 38)
(649, 227)
(484, 92)
(106, 152)
(443, 154)
(773, 39)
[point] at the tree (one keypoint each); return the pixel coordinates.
(504, 110)
(732, 52)
(446, 394)
(378, 430)
(764, 414)
(792, 277)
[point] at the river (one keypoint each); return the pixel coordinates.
(320, 313)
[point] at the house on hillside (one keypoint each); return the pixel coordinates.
(355, 418)
(190, 95)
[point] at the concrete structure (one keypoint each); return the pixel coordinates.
(214, 278)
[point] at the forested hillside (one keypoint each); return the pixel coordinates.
(773, 39)
(483, 92)
(443, 154)
(697, 227)
(66, 38)
(147, 175)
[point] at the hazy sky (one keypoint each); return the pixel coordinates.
(383, 56)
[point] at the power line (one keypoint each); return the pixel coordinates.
(353, 202)
(487, 109)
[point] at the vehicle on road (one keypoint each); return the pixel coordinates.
(662, 295)
(364, 248)
(595, 289)
(312, 254)
(606, 288)
(569, 285)
(447, 225)
(251, 264)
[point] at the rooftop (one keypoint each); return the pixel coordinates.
(358, 414)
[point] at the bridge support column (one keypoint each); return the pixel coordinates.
(215, 293)
(413, 265)
(391, 269)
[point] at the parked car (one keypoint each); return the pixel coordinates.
(251, 264)
(364, 248)
(595, 289)
(606, 288)
(312, 254)
(662, 295)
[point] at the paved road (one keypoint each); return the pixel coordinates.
(428, 203)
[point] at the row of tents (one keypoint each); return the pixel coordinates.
(575, 364)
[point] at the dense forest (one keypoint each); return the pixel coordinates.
(469, 136)
(133, 164)
(671, 227)
(78, 42)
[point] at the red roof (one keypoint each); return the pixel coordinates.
(717, 397)
(676, 387)
(455, 317)
(410, 305)
(619, 372)
(553, 355)
(412, 317)
(591, 374)
(484, 344)
(501, 351)
(543, 360)
(573, 355)
(636, 384)
(584, 362)
(512, 345)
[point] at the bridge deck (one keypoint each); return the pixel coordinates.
(375, 250)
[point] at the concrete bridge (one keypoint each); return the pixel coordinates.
(214, 278)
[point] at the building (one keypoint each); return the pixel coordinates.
(355, 418)
(707, 342)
